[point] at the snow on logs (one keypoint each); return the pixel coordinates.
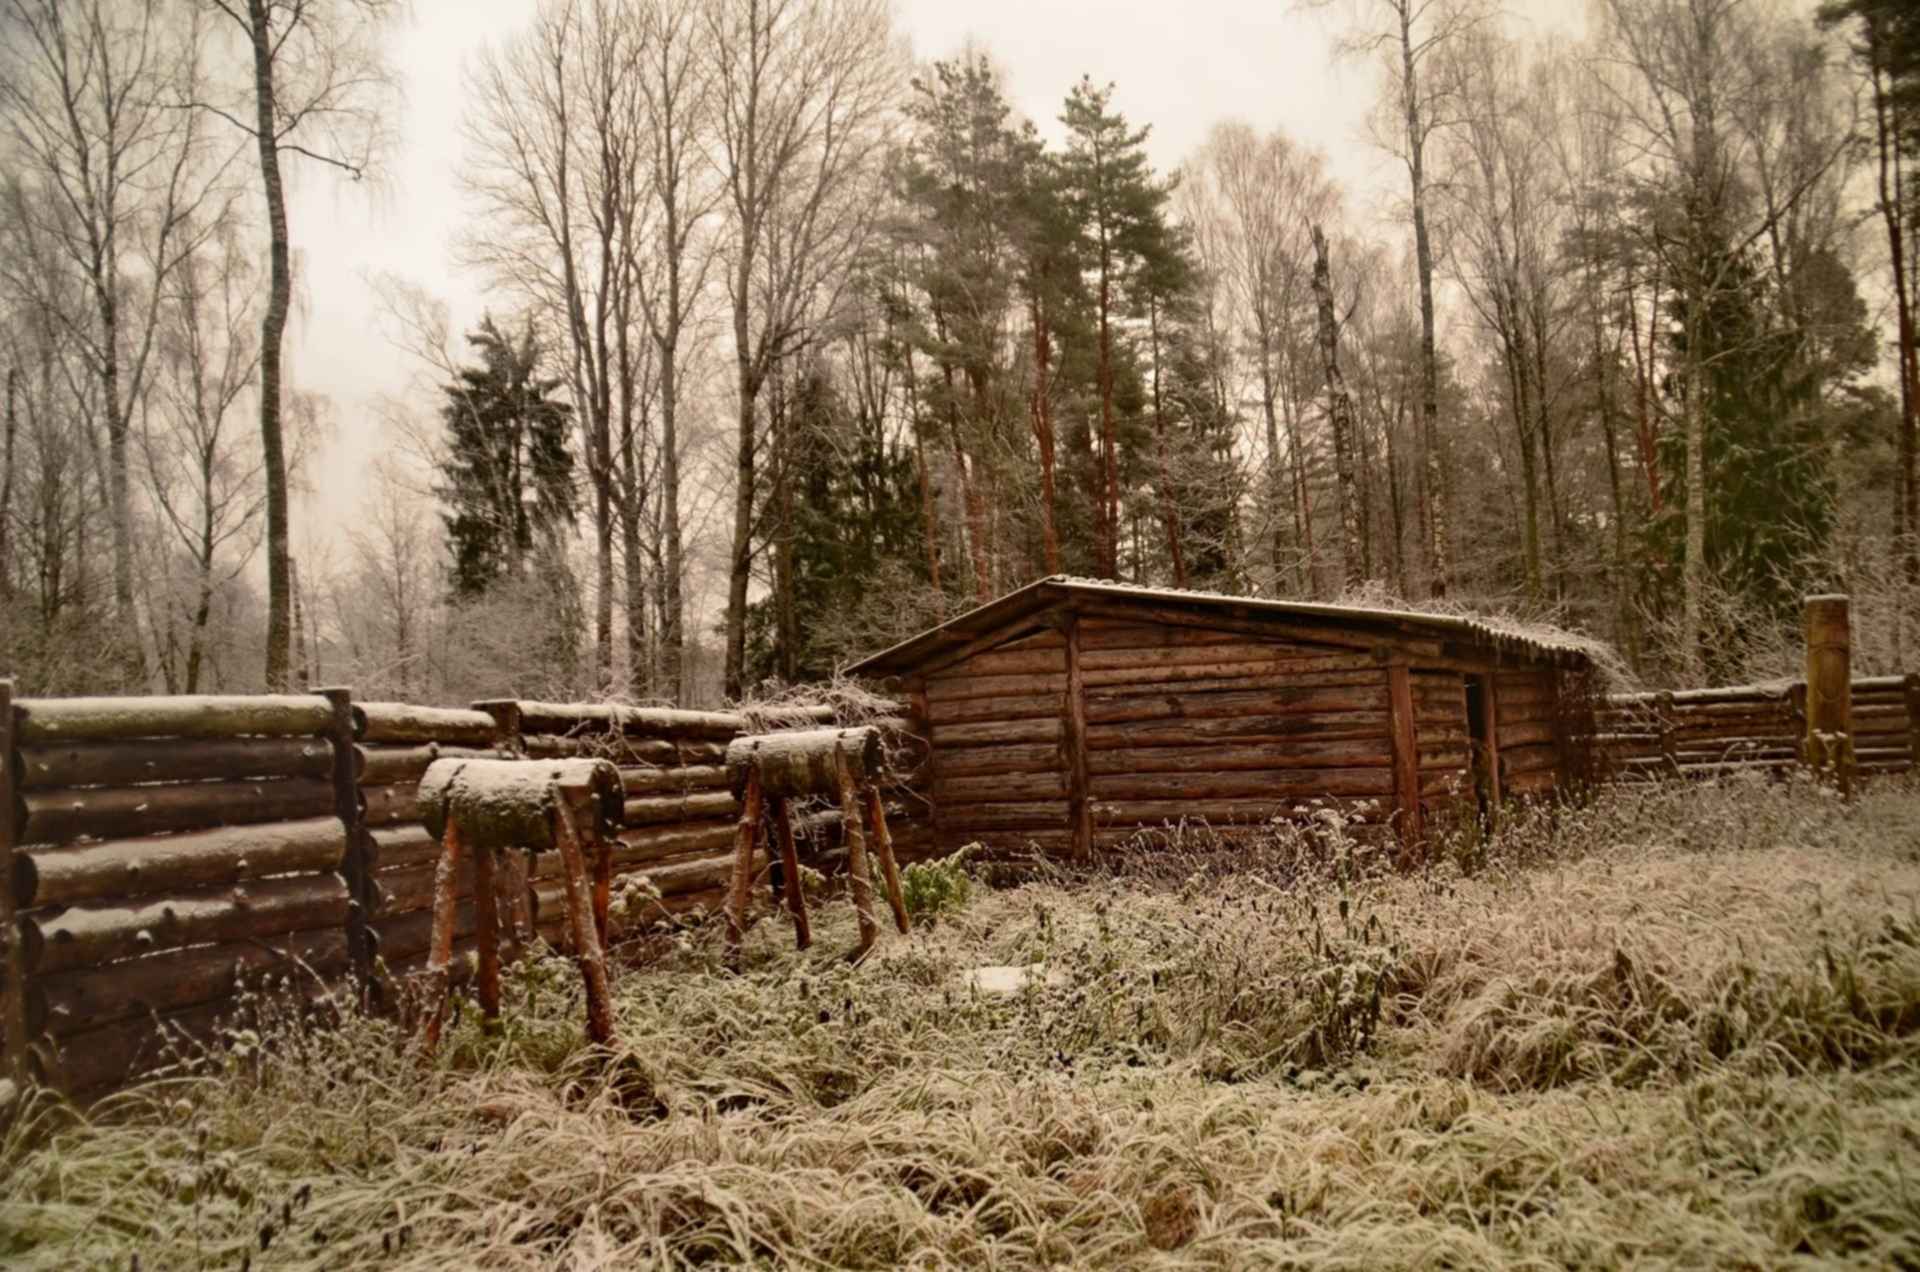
(806, 761)
(509, 803)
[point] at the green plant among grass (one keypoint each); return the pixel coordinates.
(933, 888)
(1678, 1027)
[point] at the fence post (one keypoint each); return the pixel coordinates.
(1913, 721)
(13, 995)
(506, 723)
(355, 866)
(1827, 745)
(1669, 750)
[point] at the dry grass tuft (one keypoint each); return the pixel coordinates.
(1680, 1025)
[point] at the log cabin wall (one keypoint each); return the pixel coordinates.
(1532, 752)
(158, 848)
(1444, 741)
(1188, 723)
(995, 726)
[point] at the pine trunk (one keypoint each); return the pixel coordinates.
(1339, 413)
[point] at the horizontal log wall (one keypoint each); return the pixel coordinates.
(158, 850)
(1711, 732)
(995, 726)
(1527, 727)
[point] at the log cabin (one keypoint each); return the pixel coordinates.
(1072, 713)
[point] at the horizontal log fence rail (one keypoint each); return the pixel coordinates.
(156, 852)
(1751, 728)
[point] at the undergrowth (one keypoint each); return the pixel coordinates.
(1678, 1025)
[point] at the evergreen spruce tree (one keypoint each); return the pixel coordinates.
(508, 483)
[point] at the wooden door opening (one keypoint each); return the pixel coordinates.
(1480, 747)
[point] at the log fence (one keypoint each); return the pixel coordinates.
(1752, 728)
(158, 855)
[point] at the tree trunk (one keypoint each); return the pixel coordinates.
(740, 561)
(1339, 414)
(1169, 506)
(1042, 409)
(273, 328)
(1439, 567)
(672, 633)
(1906, 516)
(1109, 501)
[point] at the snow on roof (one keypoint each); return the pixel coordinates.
(1529, 643)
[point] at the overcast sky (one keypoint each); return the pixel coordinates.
(1180, 67)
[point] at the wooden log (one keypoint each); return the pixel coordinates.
(356, 859)
(889, 868)
(1104, 633)
(65, 1002)
(1276, 784)
(746, 840)
(997, 733)
(1910, 692)
(1007, 816)
(857, 872)
(117, 812)
(669, 840)
(396, 805)
(1224, 678)
(169, 863)
(805, 762)
(1005, 786)
(1260, 656)
(1406, 757)
(395, 722)
(624, 751)
(406, 762)
(1244, 812)
(440, 947)
(673, 781)
(396, 847)
(1247, 729)
(13, 967)
(117, 763)
(92, 934)
(943, 691)
(1028, 632)
(977, 761)
(1301, 753)
(574, 817)
(790, 868)
(1006, 662)
(1531, 759)
(1829, 710)
(586, 718)
(95, 1061)
(508, 803)
(410, 888)
(486, 934)
(58, 720)
(1251, 620)
(1516, 735)
(400, 938)
(963, 710)
(679, 808)
(1174, 705)
(1073, 748)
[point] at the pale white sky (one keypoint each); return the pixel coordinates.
(1180, 67)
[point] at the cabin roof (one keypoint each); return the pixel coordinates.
(1466, 637)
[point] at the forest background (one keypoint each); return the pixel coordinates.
(790, 344)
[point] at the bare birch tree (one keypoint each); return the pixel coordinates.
(802, 91)
(318, 90)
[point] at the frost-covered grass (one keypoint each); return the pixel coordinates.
(1678, 1026)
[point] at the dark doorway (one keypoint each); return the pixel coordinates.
(1480, 746)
